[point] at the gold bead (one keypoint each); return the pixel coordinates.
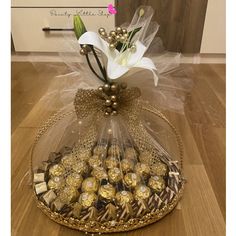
(109, 110)
(118, 37)
(114, 87)
(114, 105)
(100, 89)
(124, 31)
(101, 30)
(108, 102)
(107, 113)
(122, 39)
(110, 39)
(83, 52)
(112, 46)
(86, 48)
(104, 34)
(106, 87)
(133, 48)
(113, 98)
(113, 33)
(118, 30)
(114, 113)
(126, 36)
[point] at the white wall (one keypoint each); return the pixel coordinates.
(214, 33)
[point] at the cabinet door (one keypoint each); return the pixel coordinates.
(181, 21)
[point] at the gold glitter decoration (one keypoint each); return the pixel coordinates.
(124, 197)
(74, 180)
(130, 153)
(99, 173)
(142, 192)
(142, 169)
(95, 161)
(87, 199)
(114, 175)
(90, 185)
(68, 161)
(111, 162)
(159, 168)
(107, 191)
(56, 183)
(127, 165)
(114, 150)
(157, 183)
(80, 167)
(68, 195)
(57, 170)
(132, 179)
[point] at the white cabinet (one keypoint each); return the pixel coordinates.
(30, 17)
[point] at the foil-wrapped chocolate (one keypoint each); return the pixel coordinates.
(99, 173)
(124, 197)
(68, 161)
(130, 153)
(95, 161)
(90, 184)
(114, 150)
(111, 162)
(156, 183)
(49, 197)
(114, 175)
(58, 204)
(142, 192)
(74, 180)
(56, 183)
(40, 188)
(107, 192)
(132, 179)
(80, 167)
(87, 199)
(142, 169)
(127, 165)
(68, 194)
(57, 170)
(84, 155)
(100, 150)
(159, 168)
(39, 177)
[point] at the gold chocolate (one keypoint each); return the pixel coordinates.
(145, 157)
(77, 208)
(57, 170)
(114, 150)
(80, 167)
(107, 191)
(95, 161)
(39, 177)
(124, 197)
(40, 188)
(90, 185)
(130, 153)
(74, 180)
(84, 155)
(114, 175)
(56, 183)
(49, 196)
(159, 168)
(157, 183)
(99, 173)
(87, 199)
(127, 165)
(111, 162)
(132, 179)
(142, 192)
(68, 161)
(68, 195)
(142, 169)
(100, 151)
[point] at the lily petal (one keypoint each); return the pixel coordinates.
(114, 70)
(92, 38)
(147, 63)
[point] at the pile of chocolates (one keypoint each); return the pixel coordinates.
(103, 184)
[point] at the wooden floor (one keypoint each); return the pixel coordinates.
(201, 212)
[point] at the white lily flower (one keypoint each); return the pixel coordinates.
(119, 63)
